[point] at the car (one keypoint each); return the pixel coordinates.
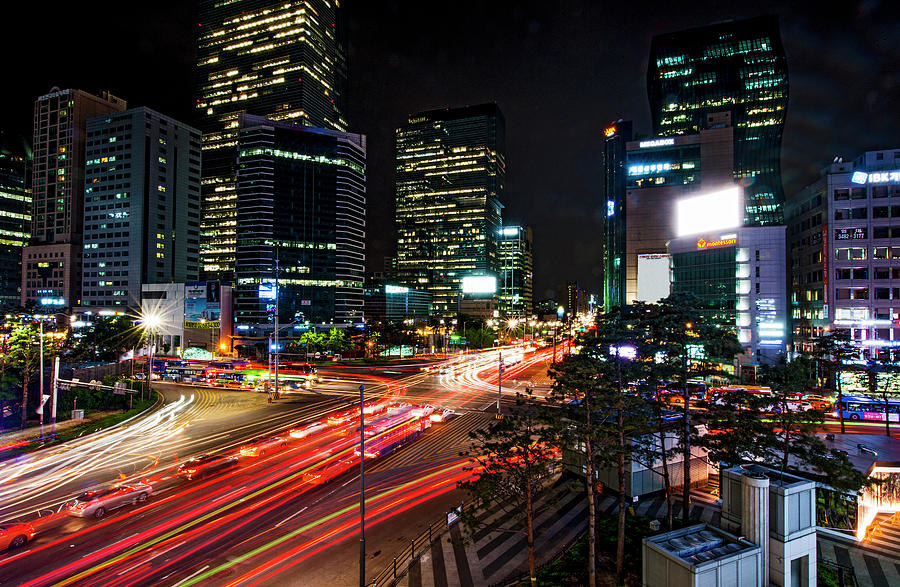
(15, 535)
(260, 447)
(429, 369)
(422, 411)
(819, 402)
(203, 465)
(445, 370)
(308, 430)
(95, 504)
(441, 415)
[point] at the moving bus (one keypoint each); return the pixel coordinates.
(185, 373)
(860, 407)
(389, 434)
(233, 378)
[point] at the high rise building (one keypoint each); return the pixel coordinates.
(451, 166)
(516, 271)
(617, 135)
(845, 254)
(15, 218)
(141, 205)
(301, 218)
(282, 60)
(51, 264)
(736, 66)
(659, 172)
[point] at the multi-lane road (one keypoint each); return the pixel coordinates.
(287, 517)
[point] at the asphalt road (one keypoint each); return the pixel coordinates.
(267, 521)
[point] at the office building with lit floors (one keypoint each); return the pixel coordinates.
(51, 263)
(301, 223)
(737, 272)
(451, 168)
(660, 171)
(616, 138)
(516, 271)
(141, 206)
(845, 254)
(737, 66)
(283, 60)
(15, 219)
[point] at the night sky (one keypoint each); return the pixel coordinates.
(560, 71)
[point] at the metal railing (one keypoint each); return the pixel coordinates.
(409, 555)
(846, 576)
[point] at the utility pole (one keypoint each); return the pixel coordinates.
(499, 382)
(53, 386)
(276, 322)
(41, 377)
(362, 488)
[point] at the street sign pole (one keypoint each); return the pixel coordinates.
(54, 384)
(499, 382)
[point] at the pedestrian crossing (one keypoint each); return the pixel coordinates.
(492, 556)
(873, 564)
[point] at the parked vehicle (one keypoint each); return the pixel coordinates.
(15, 535)
(260, 447)
(97, 503)
(203, 465)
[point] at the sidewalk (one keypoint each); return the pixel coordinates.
(32, 433)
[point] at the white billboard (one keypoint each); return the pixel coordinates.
(652, 278)
(479, 284)
(709, 212)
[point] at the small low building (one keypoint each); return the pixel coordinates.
(698, 556)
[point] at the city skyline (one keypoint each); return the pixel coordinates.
(549, 72)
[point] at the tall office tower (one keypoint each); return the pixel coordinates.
(15, 218)
(141, 206)
(51, 264)
(282, 60)
(516, 271)
(615, 180)
(301, 204)
(844, 242)
(451, 166)
(737, 66)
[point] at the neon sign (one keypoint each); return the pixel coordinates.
(657, 143)
(862, 177)
(722, 242)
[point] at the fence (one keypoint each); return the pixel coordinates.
(403, 561)
(98, 372)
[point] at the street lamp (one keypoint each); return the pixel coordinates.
(362, 477)
(150, 322)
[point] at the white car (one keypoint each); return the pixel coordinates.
(307, 430)
(260, 447)
(422, 411)
(441, 415)
(96, 503)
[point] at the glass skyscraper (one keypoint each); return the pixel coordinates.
(15, 218)
(283, 60)
(301, 202)
(737, 66)
(451, 166)
(616, 136)
(516, 271)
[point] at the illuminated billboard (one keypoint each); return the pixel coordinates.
(652, 277)
(709, 212)
(202, 307)
(479, 284)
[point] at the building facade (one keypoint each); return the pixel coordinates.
(516, 270)
(141, 206)
(51, 264)
(195, 314)
(301, 218)
(451, 166)
(845, 253)
(737, 66)
(15, 220)
(388, 303)
(740, 277)
(283, 60)
(659, 172)
(617, 136)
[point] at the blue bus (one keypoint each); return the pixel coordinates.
(860, 407)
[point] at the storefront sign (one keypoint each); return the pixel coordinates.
(725, 242)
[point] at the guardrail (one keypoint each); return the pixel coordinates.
(403, 561)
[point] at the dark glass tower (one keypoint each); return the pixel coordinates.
(301, 200)
(614, 183)
(451, 166)
(282, 60)
(737, 66)
(15, 217)
(516, 271)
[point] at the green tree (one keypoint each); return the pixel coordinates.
(875, 367)
(23, 356)
(481, 338)
(687, 341)
(106, 339)
(511, 461)
(829, 353)
(337, 340)
(602, 417)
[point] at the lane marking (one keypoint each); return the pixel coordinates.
(186, 579)
(297, 513)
